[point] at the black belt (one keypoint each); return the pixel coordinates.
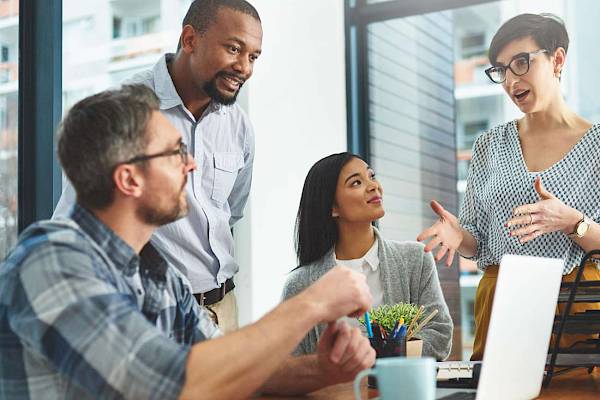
(215, 295)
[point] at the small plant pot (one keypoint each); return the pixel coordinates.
(394, 348)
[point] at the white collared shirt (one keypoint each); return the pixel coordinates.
(369, 266)
(222, 143)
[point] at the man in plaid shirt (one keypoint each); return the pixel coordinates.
(89, 309)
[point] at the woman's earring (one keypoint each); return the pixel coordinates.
(557, 74)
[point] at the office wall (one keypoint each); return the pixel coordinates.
(297, 103)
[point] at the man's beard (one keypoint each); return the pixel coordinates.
(210, 88)
(151, 215)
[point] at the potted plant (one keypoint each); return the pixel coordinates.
(387, 321)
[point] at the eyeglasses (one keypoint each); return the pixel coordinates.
(519, 65)
(182, 151)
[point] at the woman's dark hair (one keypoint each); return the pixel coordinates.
(316, 230)
(547, 30)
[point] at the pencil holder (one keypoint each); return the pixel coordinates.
(386, 348)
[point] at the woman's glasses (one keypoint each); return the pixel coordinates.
(519, 65)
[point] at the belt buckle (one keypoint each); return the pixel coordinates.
(202, 298)
(222, 290)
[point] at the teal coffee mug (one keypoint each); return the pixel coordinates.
(401, 378)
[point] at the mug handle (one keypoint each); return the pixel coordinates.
(358, 378)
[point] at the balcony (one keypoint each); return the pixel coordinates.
(135, 47)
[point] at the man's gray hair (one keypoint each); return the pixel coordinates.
(98, 133)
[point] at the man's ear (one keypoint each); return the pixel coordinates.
(128, 181)
(188, 39)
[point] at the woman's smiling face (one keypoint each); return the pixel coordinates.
(358, 195)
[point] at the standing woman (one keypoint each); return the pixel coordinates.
(534, 183)
(340, 200)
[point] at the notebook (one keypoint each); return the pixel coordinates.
(450, 370)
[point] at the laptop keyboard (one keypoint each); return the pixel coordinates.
(460, 396)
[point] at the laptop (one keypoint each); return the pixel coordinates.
(519, 332)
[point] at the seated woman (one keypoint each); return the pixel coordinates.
(340, 200)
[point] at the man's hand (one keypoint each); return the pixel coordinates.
(340, 292)
(343, 352)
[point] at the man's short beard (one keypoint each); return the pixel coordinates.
(210, 88)
(157, 217)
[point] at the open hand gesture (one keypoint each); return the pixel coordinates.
(531, 221)
(445, 233)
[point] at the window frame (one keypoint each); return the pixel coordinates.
(40, 108)
(358, 15)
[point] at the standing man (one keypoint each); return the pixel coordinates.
(197, 88)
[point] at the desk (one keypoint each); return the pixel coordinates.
(577, 384)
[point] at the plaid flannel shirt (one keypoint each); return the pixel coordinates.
(83, 316)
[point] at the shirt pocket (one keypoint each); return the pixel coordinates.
(226, 166)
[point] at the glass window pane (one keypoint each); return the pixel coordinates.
(412, 143)
(9, 69)
(106, 42)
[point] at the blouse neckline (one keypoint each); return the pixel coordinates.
(569, 154)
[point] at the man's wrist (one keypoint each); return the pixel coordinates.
(310, 307)
(324, 373)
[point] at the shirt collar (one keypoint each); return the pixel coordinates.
(119, 252)
(371, 258)
(153, 263)
(167, 93)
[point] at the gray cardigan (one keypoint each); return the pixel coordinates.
(407, 273)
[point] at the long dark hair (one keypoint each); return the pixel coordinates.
(316, 231)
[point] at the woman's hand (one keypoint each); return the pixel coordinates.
(445, 233)
(530, 221)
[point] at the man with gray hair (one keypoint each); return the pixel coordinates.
(197, 86)
(89, 308)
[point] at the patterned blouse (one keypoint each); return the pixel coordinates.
(499, 181)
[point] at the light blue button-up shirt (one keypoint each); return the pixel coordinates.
(222, 142)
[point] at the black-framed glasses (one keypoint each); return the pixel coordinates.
(519, 65)
(182, 151)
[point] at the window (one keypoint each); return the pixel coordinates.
(472, 130)
(403, 66)
(4, 55)
(134, 26)
(9, 35)
(473, 44)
